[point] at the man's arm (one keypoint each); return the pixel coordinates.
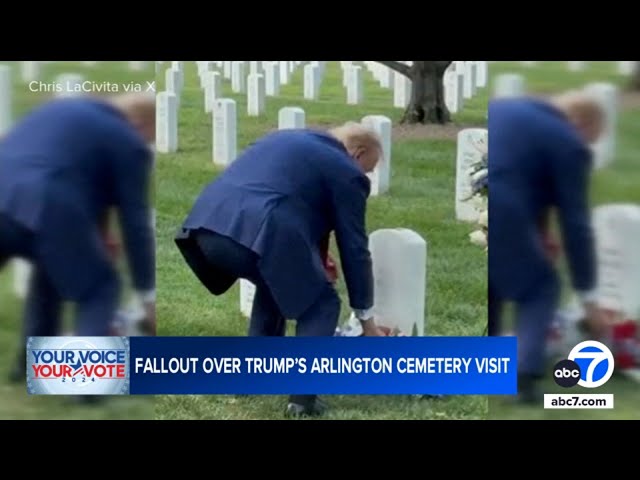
(350, 200)
(132, 181)
(571, 174)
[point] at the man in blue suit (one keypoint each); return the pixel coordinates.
(264, 219)
(62, 168)
(539, 160)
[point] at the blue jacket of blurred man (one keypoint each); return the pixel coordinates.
(539, 159)
(62, 168)
(264, 218)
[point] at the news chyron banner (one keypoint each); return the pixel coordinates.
(271, 365)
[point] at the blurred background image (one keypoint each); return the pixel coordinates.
(614, 203)
(24, 87)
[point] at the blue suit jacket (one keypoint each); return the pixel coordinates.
(536, 161)
(280, 198)
(61, 168)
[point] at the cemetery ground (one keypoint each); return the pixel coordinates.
(421, 198)
(618, 182)
(15, 403)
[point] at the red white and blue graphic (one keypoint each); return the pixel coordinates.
(78, 365)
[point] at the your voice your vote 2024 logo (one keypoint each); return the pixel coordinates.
(78, 365)
(590, 364)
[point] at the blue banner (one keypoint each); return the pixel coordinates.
(318, 365)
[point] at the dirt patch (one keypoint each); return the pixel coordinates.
(412, 132)
(630, 100)
(427, 132)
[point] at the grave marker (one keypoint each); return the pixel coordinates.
(399, 258)
(225, 135)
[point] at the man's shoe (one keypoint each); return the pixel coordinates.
(88, 400)
(529, 392)
(305, 406)
(18, 372)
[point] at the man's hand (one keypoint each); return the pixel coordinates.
(332, 269)
(149, 322)
(598, 322)
(112, 244)
(552, 246)
(370, 329)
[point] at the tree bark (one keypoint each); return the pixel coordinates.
(635, 80)
(426, 104)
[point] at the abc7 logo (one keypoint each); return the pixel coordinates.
(590, 364)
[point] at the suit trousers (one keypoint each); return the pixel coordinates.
(43, 310)
(230, 259)
(534, 316)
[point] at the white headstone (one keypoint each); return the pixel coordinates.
(212, 89)
(21, 277)
(605, 149)
(226, 69)
(311, 82)
(576, 66)
(256, 95)
(203, 69)
(172, 84)
(255, 67)
(617, 229)
(238, 77)
(399, 258)
(472, 145)
(381, 175)
(453, 86)
(166, 122)
(179, 67)
(291, 117)
(247, 292)
(482, 74)
(6, 94)
(225, 134)
(386, 77)
(284, 71)
(509, 85)
(469, 86)
(30, 71)
(626, 68)
(272, 79)
(354, 86)
(137, 66)
(401, 90)
(69, 85)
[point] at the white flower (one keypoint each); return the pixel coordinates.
(480, 202)
(479, 175)
(483, 219)
(478, 238)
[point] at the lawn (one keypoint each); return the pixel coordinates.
(617, 183)
(421, 198)
(14, 401)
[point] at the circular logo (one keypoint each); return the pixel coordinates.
(566, 373)
(595, 361)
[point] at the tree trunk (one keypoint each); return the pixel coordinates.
(427, 103)
(635, 80)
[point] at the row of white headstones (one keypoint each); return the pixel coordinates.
(263, 79)
(67, 85)
(622, 68)
(399, 255)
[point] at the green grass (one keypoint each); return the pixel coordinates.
(421, 198)
(617, 183)
(14, 401)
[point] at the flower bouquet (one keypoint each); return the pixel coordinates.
(479, 173)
